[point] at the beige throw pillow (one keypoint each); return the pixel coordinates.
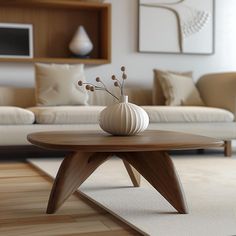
(158, 97)
(57, 84)
(179, 90)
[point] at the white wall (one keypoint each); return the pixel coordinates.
(140, 65)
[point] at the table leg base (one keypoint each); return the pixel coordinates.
(74, 170)
(156, 167)
(133, 174)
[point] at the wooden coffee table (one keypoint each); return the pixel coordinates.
(145, 153)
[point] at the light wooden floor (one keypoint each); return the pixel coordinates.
(23, 198)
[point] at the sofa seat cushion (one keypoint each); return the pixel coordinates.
(67, 114)
(181, 114)
(10, 115)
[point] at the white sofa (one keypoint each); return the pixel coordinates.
(217, 119)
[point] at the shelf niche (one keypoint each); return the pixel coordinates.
(54, 24)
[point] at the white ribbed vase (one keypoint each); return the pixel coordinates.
(123, 118)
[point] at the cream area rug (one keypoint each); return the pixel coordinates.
(209, 182)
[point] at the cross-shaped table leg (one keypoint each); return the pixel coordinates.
(156, 167)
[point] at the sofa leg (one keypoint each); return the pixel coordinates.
(227, 148)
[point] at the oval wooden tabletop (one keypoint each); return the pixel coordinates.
(92, 141)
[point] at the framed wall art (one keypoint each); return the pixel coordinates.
(176, 26)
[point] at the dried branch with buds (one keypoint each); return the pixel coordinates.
(117, 83)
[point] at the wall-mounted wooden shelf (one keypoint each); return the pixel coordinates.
(54, 23)
(89, 61)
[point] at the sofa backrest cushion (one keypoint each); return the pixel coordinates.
(25, 97)
(139, 96)
(19, 97)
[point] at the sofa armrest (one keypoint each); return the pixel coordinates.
(219, 90)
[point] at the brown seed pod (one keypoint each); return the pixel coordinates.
(98, 79)
(113, 77)
(116, 84)
(122, 68)
(87, 87)
(80, 83)
(92, 89)
(124, 76)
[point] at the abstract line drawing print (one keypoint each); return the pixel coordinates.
(190, 19)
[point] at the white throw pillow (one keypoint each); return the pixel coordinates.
(179, 90)
(57, 84)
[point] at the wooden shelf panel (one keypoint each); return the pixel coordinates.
(56, 4)
(90, 61)
(54, 24)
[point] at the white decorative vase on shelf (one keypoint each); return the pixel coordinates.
(123, 118)
(81, 44)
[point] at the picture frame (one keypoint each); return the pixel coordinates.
(176, 26)
(16, 40)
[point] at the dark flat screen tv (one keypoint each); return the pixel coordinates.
(16, 40)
